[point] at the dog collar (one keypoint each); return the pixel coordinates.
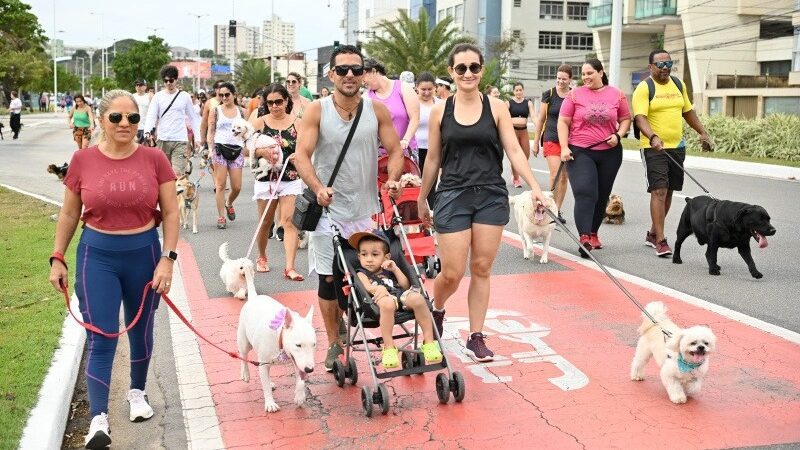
(685, 366)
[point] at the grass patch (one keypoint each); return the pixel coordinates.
(633, 144)
(31, 311)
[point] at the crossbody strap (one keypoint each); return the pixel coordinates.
(173, 101)
(346, 143)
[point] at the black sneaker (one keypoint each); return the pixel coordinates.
(477, 347)
(279, 234)
(438, 320)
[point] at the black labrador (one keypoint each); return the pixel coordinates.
(726, 224)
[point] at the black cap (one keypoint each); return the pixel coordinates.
(356, 238)
(139, 82)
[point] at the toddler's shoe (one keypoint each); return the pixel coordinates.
(391, 358)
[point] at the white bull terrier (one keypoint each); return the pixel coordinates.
(277, 335)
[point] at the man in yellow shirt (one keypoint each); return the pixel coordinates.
(659, 116)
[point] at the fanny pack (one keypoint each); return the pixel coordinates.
(229, 152)
(307, 211)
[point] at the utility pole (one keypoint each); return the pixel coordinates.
(615, 56)
(196, 60)
(272, 44)
(55, 65)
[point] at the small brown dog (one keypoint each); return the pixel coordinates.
(59, 171)
(615, 211)
(188, 202)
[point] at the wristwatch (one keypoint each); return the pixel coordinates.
(169, 254)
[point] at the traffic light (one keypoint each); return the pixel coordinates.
(335, 45)
(232, 29)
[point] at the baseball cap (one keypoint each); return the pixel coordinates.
(356, 238)
(139, 82)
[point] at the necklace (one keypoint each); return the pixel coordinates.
(348, 111)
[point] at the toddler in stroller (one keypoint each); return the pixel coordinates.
(391, 290)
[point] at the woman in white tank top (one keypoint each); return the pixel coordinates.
(227, 155)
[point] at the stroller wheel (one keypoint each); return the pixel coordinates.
(366, 400)
(383, 393)
(419, 361)
(458, 387)
(352, 371)
(443, 388)
(338, 372)
(407, 360)
(431, 267)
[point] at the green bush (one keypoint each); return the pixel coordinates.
(775, 136)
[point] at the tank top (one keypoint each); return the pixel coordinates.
(421, 134)
(471, 154)
(288, 145)
(143, 102)
(224, 133)
(553, 101)
(80, 119)
(355, 195)
(518, 109)
(397, 109)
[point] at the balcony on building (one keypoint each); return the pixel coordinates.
(656, 11)
(638, 16)
(599, 13)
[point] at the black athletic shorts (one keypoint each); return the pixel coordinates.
(661, 171)
(457, 209)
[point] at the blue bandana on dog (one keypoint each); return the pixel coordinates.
(686, 367)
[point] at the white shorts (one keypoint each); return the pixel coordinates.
(320, 243)
(265, 190)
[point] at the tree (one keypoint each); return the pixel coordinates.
(67, 81)
(97, 83)
(251, 74)
(206, 53)
(505, 49)
(409, 44)
(492, 76)
(140, 60)
(22, 43)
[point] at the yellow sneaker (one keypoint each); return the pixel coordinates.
(431, 352)
(391, 358)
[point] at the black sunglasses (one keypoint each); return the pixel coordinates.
(133, 118)
(663, 64)
(169, 80)
(292, 81)
(461, 69)
(224, 94)
(342, 70)
(278, 103)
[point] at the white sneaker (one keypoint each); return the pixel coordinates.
(140, 408)
(99, 435)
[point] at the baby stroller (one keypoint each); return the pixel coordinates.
(363, 313)
(418, 239)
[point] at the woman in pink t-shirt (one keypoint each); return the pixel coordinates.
(590, 123)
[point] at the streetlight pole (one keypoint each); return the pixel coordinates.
(55, 65)
(196, 62)
(272, 44)
(83, 74)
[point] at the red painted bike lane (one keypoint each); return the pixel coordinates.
(564, 341)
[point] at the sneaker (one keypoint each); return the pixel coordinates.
(391, 358)
(334, 351)
(662, 248)
(140, 407)
(438, 320)
(477, 347)
(586, 246)
(595, 241)
(561, 218)
(99, 435)
(230, 212)
(650, 240)
(279, 233)
(221, 223)
(432, 352)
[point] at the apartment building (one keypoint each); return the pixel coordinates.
(794, 75)
(247, 40)
(735, 56)
(278, 37)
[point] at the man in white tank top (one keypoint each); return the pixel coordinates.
(143, 101)
(353, 198)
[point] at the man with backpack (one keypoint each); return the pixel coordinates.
(660, 104)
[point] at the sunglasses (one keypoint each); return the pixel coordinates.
(292, 81)
(133, 118)
(169, 80)
(224, 94)
(461, 69)
(663, 64)
(278, 103)
(342, 70)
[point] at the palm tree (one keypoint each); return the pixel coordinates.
(251, 74)
(407, 44)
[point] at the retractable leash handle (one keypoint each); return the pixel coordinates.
(689, 175)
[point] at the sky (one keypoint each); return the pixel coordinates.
(316, 21)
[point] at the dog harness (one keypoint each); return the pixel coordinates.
(275, 323)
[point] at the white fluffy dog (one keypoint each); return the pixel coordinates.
(683, 357)
(252, 139)
(533, 222)
(234, 272)
(410, 180)
(277, 335)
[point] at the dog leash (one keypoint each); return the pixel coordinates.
(689, 175)
(264, 214)
(608, 274)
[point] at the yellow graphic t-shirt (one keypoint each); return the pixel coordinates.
(664, 112)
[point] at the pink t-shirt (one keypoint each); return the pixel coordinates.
(119, 194)
(595, 115)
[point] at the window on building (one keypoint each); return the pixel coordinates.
(776, 68)
(550, 10)
(516, 34)
(577, 10)
(576, 69)
(450, 11)
(440, 15)
(515, 64)
(782, 105)
(579, 41)
(550, 40)
(459, 13)
(771, 29)
(547, 70)
(714, 106)
(517, 3)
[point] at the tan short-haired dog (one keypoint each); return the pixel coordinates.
(188, 202)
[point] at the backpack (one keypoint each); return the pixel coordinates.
(651, 93)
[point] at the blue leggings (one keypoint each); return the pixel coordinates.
(111, 268)
(592, 174)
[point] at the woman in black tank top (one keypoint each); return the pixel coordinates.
(466, 136)
(521, 109)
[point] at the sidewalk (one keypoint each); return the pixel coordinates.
(731, 166)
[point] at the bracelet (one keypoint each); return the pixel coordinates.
(59, 257)
(653, 136)
(619, 139)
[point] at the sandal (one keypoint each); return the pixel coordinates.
(261, 264)
(295, 277)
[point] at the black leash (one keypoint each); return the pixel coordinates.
(688, 174)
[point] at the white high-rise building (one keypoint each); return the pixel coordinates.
(247, 40)
(278, 37)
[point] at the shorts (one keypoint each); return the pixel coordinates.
(661, 172)
(320, 242)
(552, 149)
(81, 133)
(265, 190)
(457, 209)
(219, 160)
